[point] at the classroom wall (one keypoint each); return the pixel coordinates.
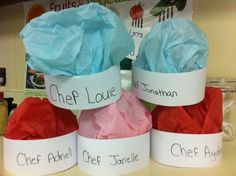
(216, 18)
(12, 49)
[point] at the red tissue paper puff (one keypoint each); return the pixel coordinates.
(37, 118)
(202, 118)
(125, 118)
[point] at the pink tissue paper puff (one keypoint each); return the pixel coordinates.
(125, 118)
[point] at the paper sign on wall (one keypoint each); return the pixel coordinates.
(113, 156)
(40, 157)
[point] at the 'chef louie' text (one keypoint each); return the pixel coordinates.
(72, 97)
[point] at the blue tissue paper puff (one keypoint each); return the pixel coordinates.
(173, 46)
(76, 41)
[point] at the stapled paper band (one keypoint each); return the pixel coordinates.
(84, 92)
(113, 156)
(186, 150)
(40, 157)
(169, 89)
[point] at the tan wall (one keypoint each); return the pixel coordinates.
(12, 49)
(216, 18)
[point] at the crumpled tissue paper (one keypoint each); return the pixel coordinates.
(202, 118)
(76, 41)
(125, 118)
(173, 46)
(37, 118)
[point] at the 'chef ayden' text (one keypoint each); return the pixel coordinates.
(202, 151)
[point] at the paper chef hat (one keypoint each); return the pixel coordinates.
(40, 139)
(171, 64)
(187, 136)
(109, 132)
(79, 51)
